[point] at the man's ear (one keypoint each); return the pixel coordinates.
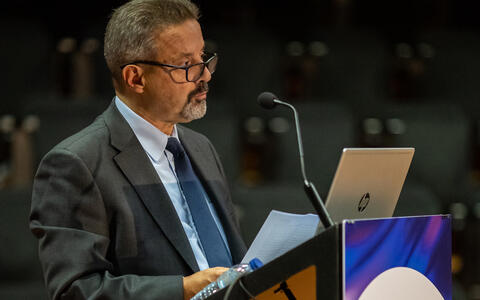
(134, 79)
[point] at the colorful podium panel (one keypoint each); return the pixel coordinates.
(397, 258)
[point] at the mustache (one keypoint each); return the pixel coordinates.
(201, 88)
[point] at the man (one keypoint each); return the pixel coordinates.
(121, 211)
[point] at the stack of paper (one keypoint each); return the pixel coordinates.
(280, 233)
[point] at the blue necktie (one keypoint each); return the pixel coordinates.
(212, 242)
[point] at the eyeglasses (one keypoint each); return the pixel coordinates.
(192, 72)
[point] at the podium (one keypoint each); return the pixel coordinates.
(391, 258)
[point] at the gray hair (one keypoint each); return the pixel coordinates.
(130, 31)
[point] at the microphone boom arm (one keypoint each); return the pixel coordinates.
(299, 136)
(309, 187)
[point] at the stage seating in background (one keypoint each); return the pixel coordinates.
(441, 136)
(20, 276)
(25, 52)
(467, 241)
(248, 64)
(352, 67)
(453, 69)
(92, 48)
(59, 118)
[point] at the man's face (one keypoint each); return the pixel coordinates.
(170, 101)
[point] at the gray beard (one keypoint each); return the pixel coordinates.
(194, 110)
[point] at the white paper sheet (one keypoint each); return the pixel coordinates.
(280, 233)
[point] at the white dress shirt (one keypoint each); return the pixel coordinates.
(154, 142)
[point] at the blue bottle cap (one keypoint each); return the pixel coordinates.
(255, 263)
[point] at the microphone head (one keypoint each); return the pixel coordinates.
(265, 100)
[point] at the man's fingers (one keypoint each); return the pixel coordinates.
(215, 272)
(194, 283)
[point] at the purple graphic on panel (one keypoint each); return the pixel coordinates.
(374, 246)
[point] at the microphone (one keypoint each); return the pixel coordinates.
(268, 100)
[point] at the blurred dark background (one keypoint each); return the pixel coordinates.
(365, 73)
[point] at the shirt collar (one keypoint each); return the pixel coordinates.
(151, 138)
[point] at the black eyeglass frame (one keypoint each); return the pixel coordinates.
(174, 67)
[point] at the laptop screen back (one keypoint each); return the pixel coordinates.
(368, 182)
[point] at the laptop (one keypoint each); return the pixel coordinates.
(368, 182)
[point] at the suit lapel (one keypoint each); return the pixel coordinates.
(203, 168)
(135, 165)
(213, 182)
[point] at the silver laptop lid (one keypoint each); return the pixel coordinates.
(368, 182)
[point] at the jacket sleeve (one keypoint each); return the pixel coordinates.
(71, 222)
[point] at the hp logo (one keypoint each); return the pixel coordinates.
(362, 205)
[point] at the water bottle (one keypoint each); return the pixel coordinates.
(227, 278)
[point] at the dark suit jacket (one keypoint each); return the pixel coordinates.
(106, 226)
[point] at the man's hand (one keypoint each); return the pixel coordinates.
(196, 282)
